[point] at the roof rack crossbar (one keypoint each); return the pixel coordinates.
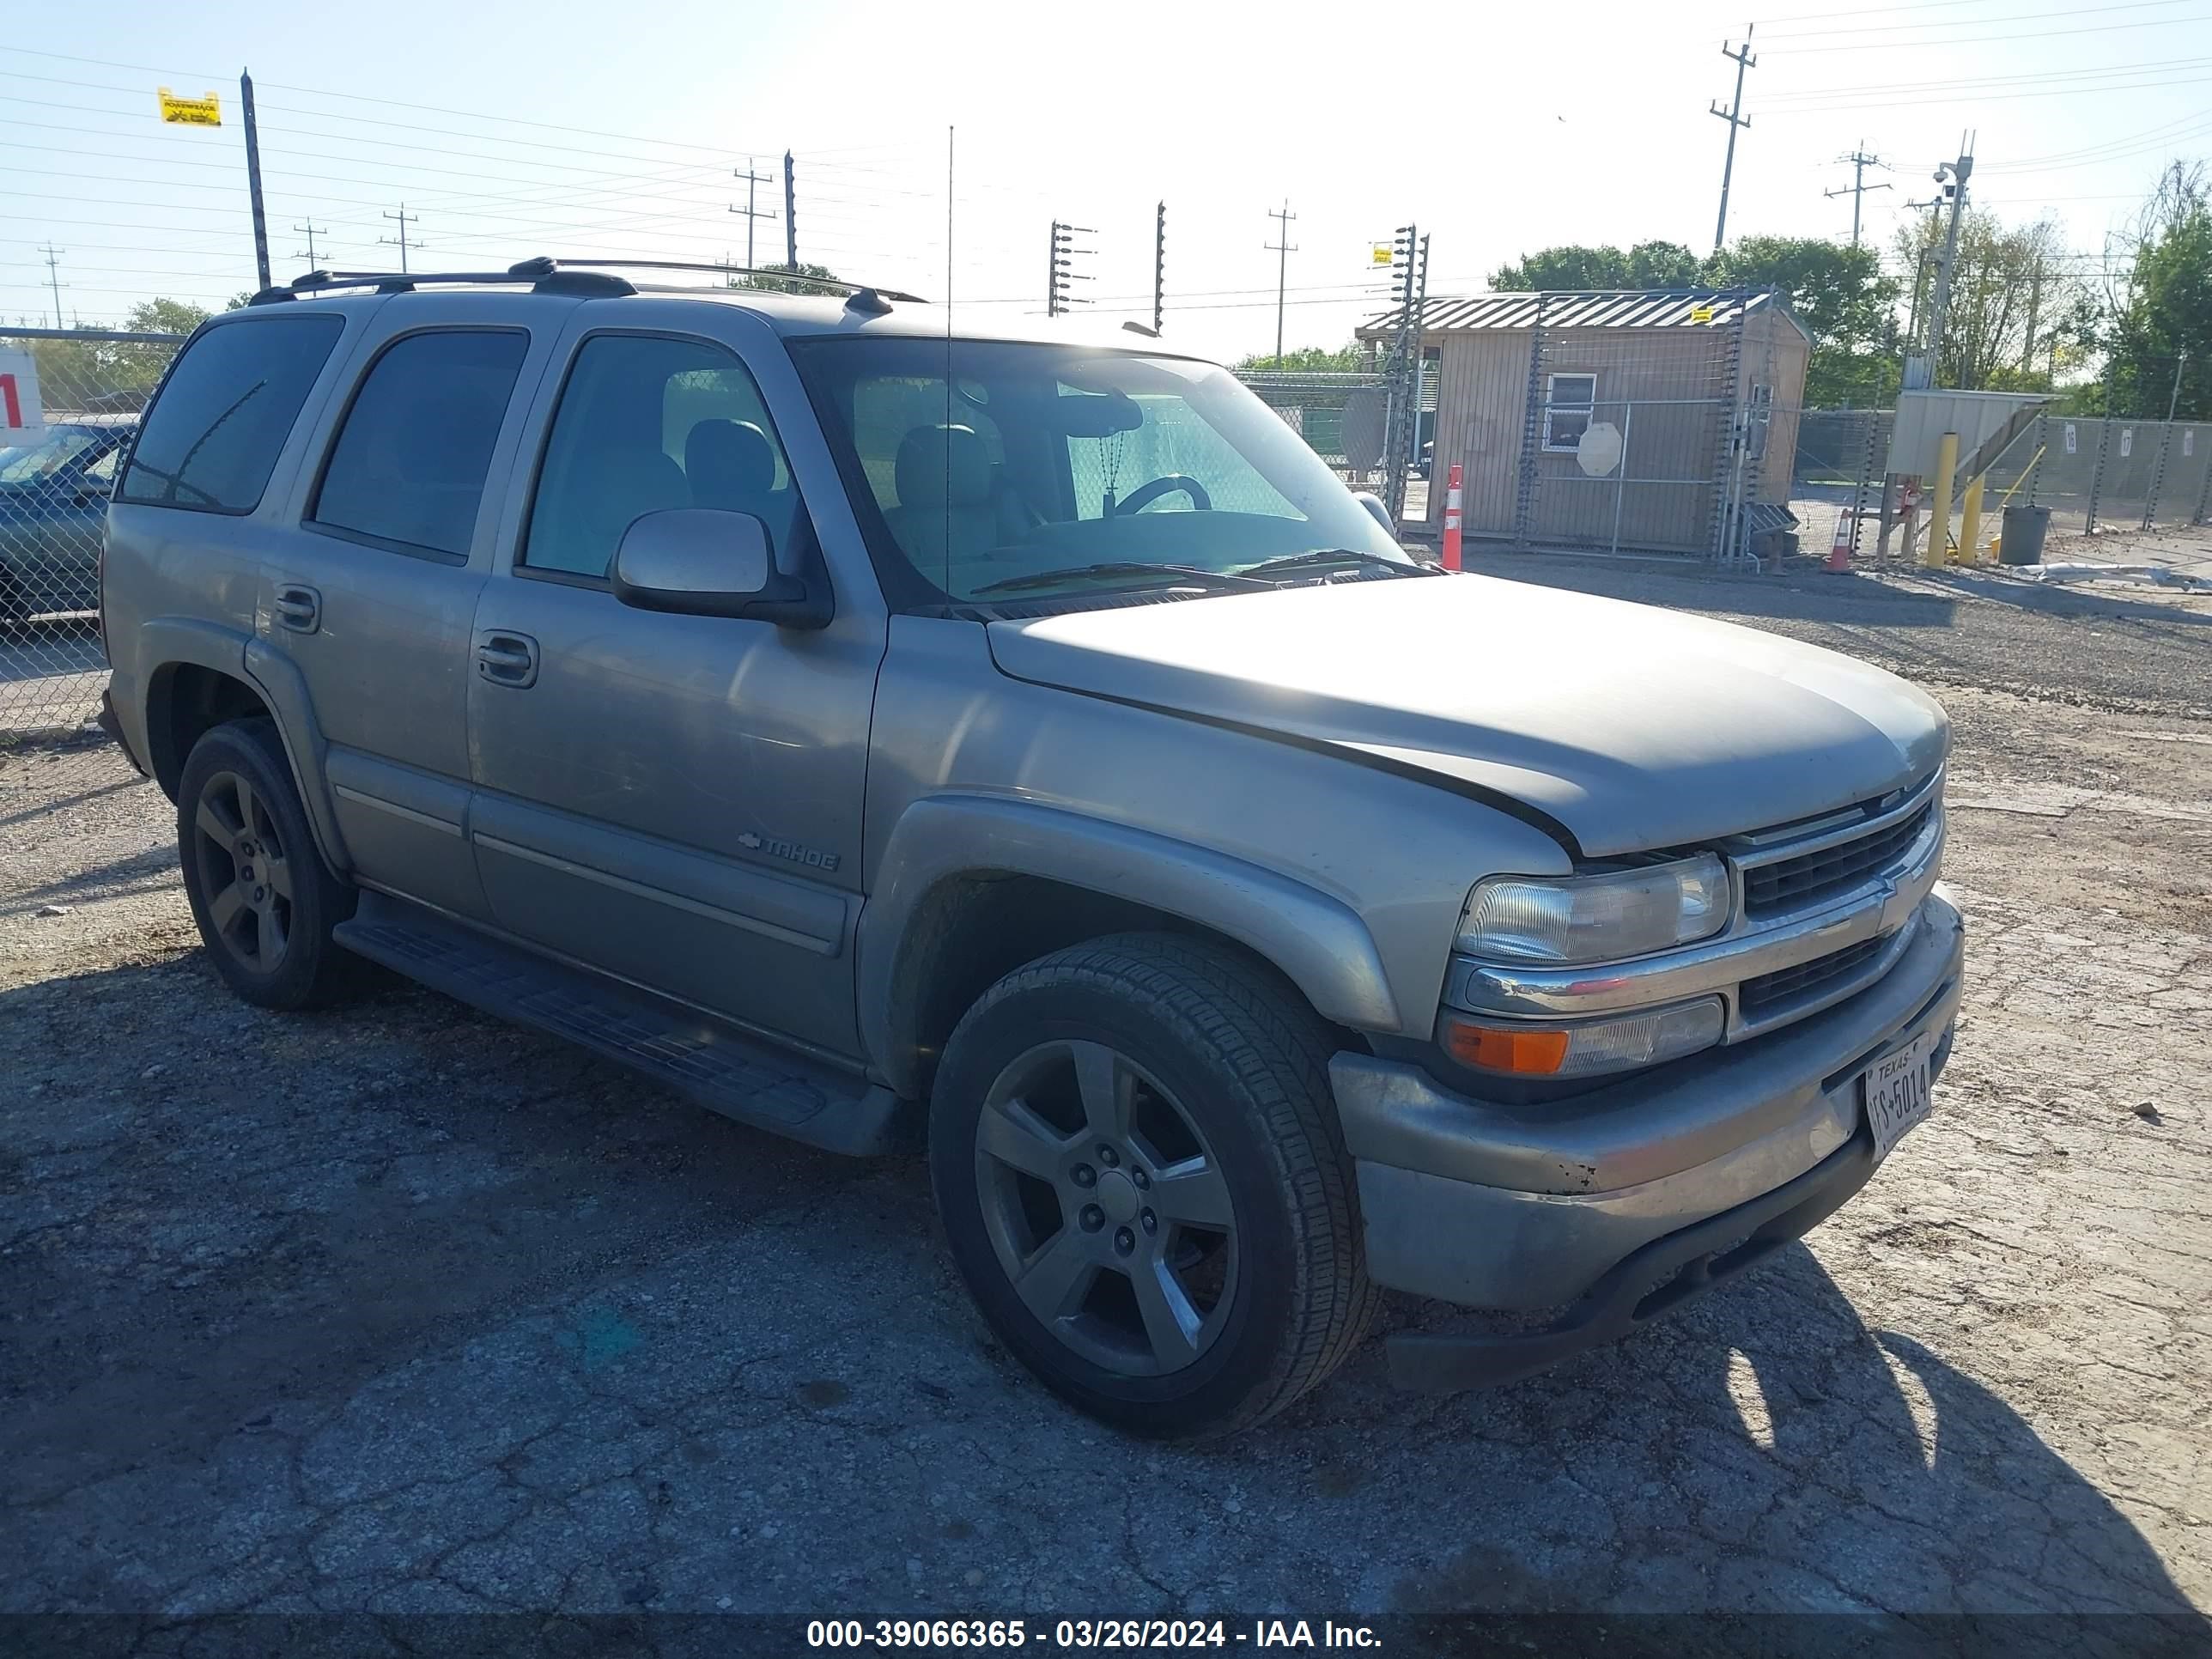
(554, 276)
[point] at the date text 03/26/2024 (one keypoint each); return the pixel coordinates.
(1076, 1634)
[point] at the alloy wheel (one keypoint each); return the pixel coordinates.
(1107, 1208)
(244, 871)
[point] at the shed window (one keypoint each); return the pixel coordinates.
(1569, 407)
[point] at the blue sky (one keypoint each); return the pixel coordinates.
(514, 129)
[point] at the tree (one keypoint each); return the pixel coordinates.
(2164, 308)
(1840, 293)
(803, 279)
(1577, 269)
(1311, 360)
(111, 376)
(2016, 313)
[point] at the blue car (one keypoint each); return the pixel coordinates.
(53, 500)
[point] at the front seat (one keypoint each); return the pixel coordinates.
(945, 514)
(730, 466)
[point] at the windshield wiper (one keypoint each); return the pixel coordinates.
(1332, 556)
(1220, 579)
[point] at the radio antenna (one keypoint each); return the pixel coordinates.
(947, 439)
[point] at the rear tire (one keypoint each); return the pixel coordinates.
(258, 891)
(1143, 1183)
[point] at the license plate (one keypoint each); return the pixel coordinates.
(1897, 1093)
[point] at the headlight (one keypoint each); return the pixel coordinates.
(1609, 918)
(1584, 1047)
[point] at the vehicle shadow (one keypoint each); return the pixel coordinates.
(1765, 1452)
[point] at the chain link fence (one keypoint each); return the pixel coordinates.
(70, 400)
(1343, 416)
(2099, 476)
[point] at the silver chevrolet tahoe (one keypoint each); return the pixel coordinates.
(1024, 748)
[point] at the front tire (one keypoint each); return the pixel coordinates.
(1143, 1185)
(263, 901)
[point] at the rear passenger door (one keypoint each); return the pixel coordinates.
(673, 799)
(373, 596)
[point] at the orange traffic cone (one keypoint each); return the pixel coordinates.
(1839, 551)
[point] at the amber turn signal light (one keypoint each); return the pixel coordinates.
(1510, 1049)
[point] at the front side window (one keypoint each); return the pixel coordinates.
(213, 436)
(410, 463)
(1012, 463)
(646, 424)
(1568, 409)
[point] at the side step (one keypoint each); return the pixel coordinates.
(720, 1066)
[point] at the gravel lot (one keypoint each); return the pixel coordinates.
(400, 1310)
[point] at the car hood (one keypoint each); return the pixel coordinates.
(1630, 727)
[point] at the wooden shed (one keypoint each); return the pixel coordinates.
(1657, 420)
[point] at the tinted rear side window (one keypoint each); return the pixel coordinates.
(409, 464)
(213, 436)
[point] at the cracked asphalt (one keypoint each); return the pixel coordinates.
(396, 1310)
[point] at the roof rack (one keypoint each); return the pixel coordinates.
(546, 275)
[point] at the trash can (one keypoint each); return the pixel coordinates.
(2021, 541)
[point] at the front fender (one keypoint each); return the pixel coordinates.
(1317, 941)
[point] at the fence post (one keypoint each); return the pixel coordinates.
(2097, 477)
(2042, 449)
(2158, 478)
(2204, 491)
(1532, 427)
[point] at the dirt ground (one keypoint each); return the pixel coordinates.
(396, 1310)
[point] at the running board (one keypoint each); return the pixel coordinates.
(714, 1063)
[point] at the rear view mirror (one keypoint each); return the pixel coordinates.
(707, 562)
(1097, 414)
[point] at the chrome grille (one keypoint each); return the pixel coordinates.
(1788, 883)
(1786, 984)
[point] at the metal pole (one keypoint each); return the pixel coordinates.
(1939, 514)
(790, 217)
(1282, 248)
(1160, 270)
(2165, 443)
(1961, 170)
(54, 277)
(1735, 118)
(253, 179)
(1420, 359)
(1620, 485)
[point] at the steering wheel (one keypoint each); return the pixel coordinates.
(1145, 495)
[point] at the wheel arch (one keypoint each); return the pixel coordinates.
(971, 888)
(206, 675)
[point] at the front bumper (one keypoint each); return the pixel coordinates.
(1587, 1203)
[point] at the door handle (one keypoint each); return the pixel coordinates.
(298, 607)
(509, 659)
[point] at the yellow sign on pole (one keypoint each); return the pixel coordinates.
(191, 111)
(1380, 254)
(1701, 313)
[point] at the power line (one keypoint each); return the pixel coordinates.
(1862, 27)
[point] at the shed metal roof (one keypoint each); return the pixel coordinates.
(1655, 308)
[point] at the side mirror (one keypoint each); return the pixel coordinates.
(1376, 511)
(705, 562)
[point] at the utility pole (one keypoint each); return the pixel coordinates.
(1860, 162)
(752, 180)
(1282, 247)
(54, 277)
(2174, 397)
(307, 230)
(1735, 118)
(1953, 176)
(1159, 265)
(2034, 305)
(790, 217)
(1061, 271)
(253, 177)
(405, 218)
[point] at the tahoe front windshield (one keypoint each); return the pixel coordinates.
(998, 469)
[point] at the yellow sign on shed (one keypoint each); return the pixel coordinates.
(1701, 313)
(1379, 253)
(191, 111)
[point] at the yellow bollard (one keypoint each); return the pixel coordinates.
(1939, 511)
(1970, 526)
